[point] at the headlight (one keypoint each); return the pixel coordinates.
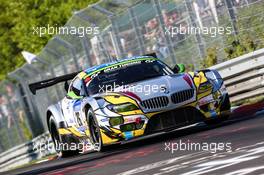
(116, 121)
(122, 107)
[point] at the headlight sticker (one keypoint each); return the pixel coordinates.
(125, 107)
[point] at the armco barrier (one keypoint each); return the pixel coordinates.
(243, 77)
(25, 153)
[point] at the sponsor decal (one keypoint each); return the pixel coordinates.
(131, 119)
(128, 135)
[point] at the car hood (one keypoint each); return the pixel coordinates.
(158, 86)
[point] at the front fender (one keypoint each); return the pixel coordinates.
(215, 78)
(203, 76)
(88, 102)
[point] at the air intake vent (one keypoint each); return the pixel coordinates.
(182, 96)
(154, 103)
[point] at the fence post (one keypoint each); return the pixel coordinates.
(35, 127)
(198, 37)
(116, 39)
(168, 41)
(104, 50)
(232, 16)
(86, 46)
(37, 119)
(23, 104)
(136, 26)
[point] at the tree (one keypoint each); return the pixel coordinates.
(17, 20)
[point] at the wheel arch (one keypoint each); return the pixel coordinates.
(89, 102)
(56, 112)
(48, 116)
(87, 106)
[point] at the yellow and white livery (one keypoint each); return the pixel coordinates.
(129, 98)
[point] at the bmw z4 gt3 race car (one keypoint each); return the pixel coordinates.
(130, 98)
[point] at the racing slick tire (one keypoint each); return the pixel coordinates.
(57, 141)
(226, 105)
(96, 137)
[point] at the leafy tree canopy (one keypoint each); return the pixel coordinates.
(17, 19)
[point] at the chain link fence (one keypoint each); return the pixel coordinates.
(126, 28)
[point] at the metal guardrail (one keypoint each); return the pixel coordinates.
(244, 76)
(35, 149)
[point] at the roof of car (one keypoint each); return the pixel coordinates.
(88, 72)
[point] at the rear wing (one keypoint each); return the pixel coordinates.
(50, 82)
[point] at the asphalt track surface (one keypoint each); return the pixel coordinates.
(240, 143)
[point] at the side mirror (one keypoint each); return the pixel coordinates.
(66, 86)
(179, 68)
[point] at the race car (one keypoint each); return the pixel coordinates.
(129, 98)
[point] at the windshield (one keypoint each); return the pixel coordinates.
(127, 74)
